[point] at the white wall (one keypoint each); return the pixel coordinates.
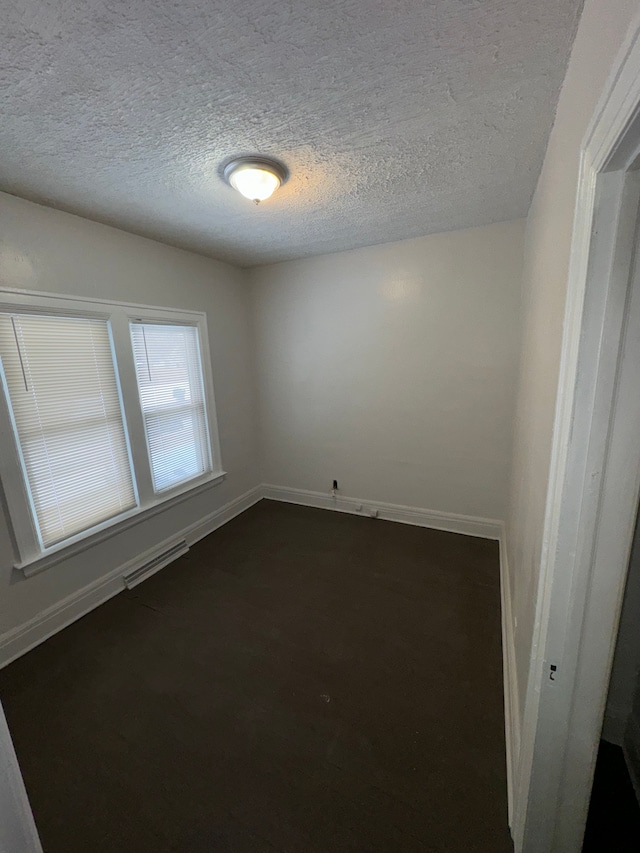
(44, 249)
(601, 32)
(393, 370)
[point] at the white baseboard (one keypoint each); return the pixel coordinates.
(485, 528)
(23, 638)
(511, 698)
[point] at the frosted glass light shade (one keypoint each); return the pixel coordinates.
(256, 179)
(256, 184)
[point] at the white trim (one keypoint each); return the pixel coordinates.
(17, 294)
(17, 828)
(510, 678)
(593, 484)
(23, 638)
(485, 528)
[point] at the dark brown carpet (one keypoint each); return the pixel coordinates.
(301, 681)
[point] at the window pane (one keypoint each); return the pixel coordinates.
(168, 369)
(60, 377)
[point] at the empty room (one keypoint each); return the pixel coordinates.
(319, 473)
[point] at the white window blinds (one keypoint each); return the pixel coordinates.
(168, 369)
(60, 378)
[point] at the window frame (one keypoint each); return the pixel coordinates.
(33, 558)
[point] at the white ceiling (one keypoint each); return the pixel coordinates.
(396, 118)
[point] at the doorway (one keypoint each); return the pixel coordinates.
(594, 484)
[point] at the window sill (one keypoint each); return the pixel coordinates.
(63, 551)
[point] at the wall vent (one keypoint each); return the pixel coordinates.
(154, 564)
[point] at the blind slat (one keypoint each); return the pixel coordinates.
(169, 374)
(65, 403)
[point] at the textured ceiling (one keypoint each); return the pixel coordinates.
(396, 118)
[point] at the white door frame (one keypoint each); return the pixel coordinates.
(594, 482)
(18, 833)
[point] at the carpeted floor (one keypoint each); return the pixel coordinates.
(301, 681)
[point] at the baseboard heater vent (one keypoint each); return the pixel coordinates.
(154, 564)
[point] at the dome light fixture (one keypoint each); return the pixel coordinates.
(256, 178)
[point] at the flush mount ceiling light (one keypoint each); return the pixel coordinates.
(256, 178)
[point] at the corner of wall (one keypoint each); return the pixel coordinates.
(252, 283)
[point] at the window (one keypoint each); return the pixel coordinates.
(107, 412)
(64, 399)
(172, 399)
